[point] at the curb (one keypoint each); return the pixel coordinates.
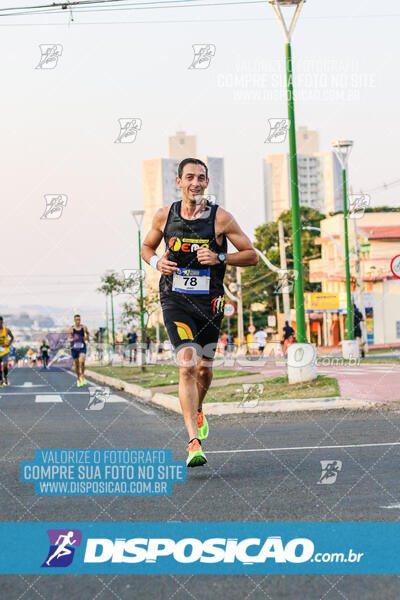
(119, 384)
(231, 408)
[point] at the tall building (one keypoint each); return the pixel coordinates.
(181, 145)
(319, 178)
(160, 189)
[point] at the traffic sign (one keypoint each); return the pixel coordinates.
(251, 328)
(229, 309)
(395, 266)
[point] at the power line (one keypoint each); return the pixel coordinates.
(81, 6)
(384, 186)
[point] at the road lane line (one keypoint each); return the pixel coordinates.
(303, 448)
(4, 394)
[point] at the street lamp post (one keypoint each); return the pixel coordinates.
(138, 216)
(342, 149)
(297, 253)
(301, 355)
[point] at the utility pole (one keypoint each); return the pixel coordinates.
(284, 275)
(360, 286)
(107, 337)
(112, 322)
(138, 216)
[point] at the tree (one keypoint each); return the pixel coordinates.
(260, 284)
(129, 284)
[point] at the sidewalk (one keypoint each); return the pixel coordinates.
(378, 383)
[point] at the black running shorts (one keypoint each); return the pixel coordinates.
(192, 324)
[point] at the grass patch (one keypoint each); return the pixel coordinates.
(157, 375)
(277, 388)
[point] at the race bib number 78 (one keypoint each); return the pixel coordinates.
(191, 281)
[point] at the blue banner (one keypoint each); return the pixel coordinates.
(200, 548)
(103, 472)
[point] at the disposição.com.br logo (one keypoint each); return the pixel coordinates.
(62, 547)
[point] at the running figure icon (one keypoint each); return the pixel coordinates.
(62, 549)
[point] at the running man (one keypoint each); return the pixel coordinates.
(6, 339)
(78, 336)
(44, 353)
(195, 232)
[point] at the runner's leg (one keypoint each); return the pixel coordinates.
(82, 363)
(188, 392)
(204, 378)
(76, 363)
(5, 369)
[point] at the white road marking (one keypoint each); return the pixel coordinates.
(303, 448)
(391, 506)
(29, 384)
(48, 398)
(114, 399)
(31, 394)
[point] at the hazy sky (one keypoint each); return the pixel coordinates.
(59, 125)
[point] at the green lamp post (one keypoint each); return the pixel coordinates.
(294, 188)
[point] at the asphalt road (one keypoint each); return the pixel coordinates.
(261, 468)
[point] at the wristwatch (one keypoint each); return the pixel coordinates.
(221, 257)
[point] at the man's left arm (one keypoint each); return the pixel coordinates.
(245, 256)
(86, 338)
(10, 337)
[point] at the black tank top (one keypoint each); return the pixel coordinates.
(183, 237)
(78, 336)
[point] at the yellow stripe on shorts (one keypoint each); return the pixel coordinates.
(184, 331)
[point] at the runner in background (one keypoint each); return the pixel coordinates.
(78, 335)
(132, 341)
(260, 336)
(6, 339)
(288, 337)
(224, 342)
(357, 318)
(44, 353)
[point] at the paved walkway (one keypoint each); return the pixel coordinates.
(377, 383)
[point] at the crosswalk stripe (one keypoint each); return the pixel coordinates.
(48, 398)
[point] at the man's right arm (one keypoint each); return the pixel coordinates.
(152, 241)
